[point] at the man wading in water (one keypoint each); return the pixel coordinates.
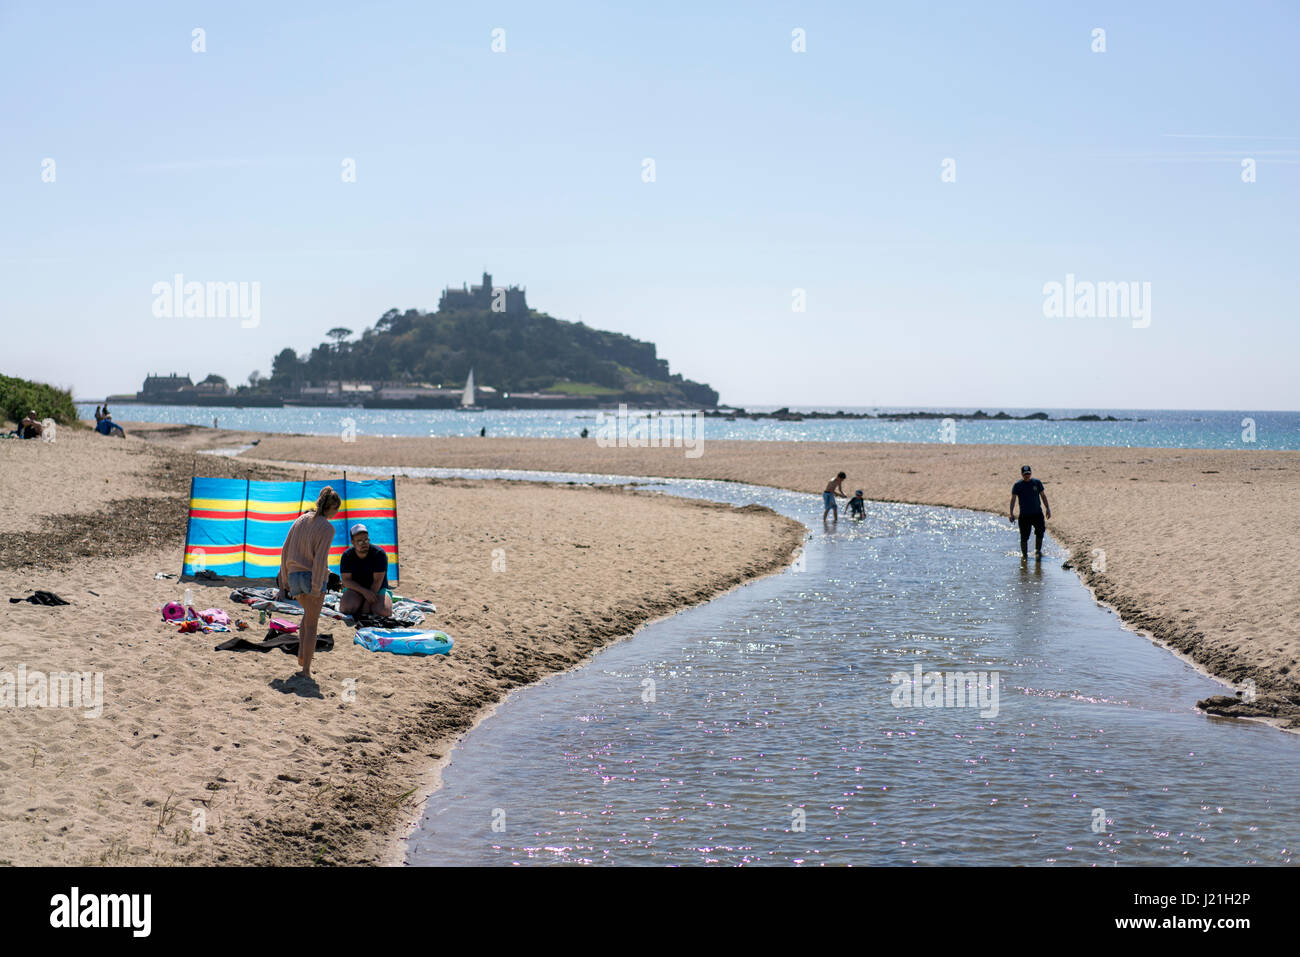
(1029, 490)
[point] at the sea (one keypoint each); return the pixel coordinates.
(1139, 428)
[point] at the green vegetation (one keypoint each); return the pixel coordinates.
(580, 388)
(19, 396)
(511, 352)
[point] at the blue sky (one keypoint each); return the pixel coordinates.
(775, 171)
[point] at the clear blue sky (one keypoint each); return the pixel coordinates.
(775, 171)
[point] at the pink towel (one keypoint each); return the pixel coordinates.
(215, 616)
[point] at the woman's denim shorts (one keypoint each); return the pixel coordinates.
(300, 584)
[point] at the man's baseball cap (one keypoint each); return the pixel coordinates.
(358, 527)
(1024, 469)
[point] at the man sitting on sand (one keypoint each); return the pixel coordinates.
(1028, 490)
(364, 570)
(833, 488)
(106, 426)
(31, 427)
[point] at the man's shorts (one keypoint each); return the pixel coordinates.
(300, 584)
(828, 499)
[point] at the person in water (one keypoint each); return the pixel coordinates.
(833, 488)
(857, 506)
(1029, 491)
(304, 568)
(364, 571)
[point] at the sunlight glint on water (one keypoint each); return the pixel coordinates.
(777, 698)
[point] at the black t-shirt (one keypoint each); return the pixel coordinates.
(369, 572)
(1028, 491)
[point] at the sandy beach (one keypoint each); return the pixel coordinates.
(528, 579)
(1189, 546)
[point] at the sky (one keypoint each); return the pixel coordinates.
(781, 179)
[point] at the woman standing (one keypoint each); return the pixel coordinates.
(304, 568)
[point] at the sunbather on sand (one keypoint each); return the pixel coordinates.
(30, 427)
(304, 568)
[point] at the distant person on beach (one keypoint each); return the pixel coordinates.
(857, 506)
(482, 433)
(304, 568)
(31, 427)
(584, 433)
(99, 415)
(833, 488)
(364, 571)
(106, 426)
(1028, 491)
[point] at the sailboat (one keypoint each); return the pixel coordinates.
(467, 397)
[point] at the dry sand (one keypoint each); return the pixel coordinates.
(1198, 545)
(529, 579)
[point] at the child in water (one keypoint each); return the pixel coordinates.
(857, 507)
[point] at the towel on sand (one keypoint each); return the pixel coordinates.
(288, 643)
(41, 598)
(264, 599)
(406, 611)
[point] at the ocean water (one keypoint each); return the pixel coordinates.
(1247, 429)
(769, 726)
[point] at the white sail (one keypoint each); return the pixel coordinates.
(467, 399)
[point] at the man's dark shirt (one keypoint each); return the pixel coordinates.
(369, 572)
(1028, 490)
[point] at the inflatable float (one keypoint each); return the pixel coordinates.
(404, 641)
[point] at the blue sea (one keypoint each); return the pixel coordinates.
(1144, 428)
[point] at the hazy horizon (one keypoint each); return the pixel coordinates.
(916, 177)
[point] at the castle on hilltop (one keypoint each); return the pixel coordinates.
(509, 299)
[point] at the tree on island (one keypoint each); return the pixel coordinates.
(512, 352)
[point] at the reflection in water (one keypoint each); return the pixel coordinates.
(762, 726)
